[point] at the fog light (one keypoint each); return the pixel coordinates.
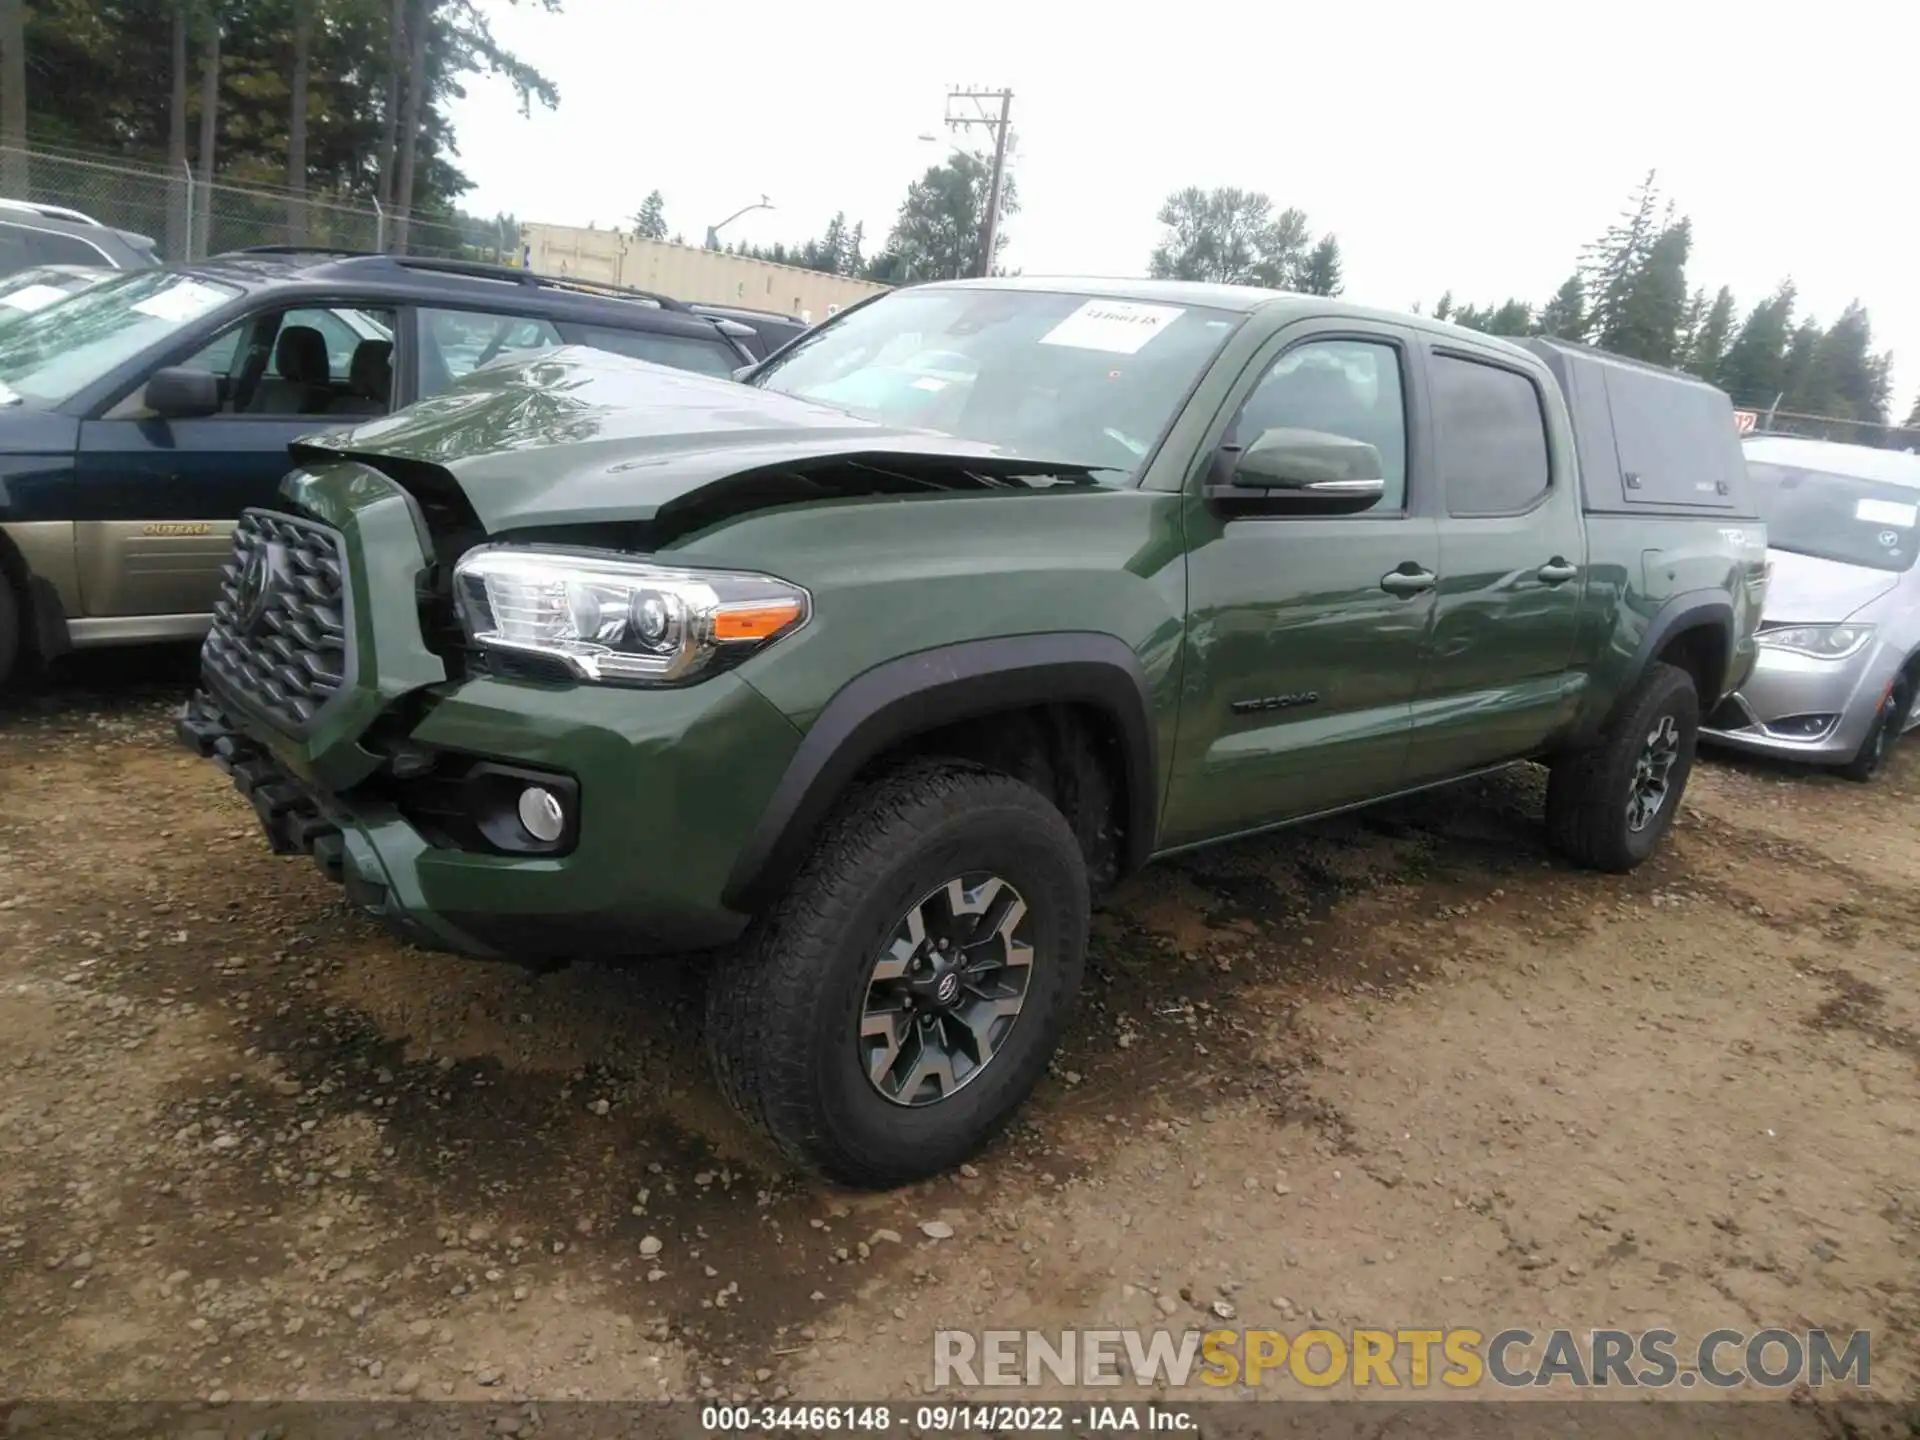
(541, 814)
(1802, 727)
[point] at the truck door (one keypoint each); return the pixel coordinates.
(1304, 633)
(1495, 679)
(160, 496)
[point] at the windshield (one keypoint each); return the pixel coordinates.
(51, 355)
(1045, 376)
(1838, 517)
(30, 290)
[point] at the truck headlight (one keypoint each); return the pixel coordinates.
(612, 619)
(1822, 642)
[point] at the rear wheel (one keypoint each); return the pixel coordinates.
(1877, 749)
(897, 1005)
(1609, 805)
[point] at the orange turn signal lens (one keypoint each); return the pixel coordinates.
(755, 622)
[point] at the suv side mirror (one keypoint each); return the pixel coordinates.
(180, 393)
(1303, 472)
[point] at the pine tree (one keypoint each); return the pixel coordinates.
(1565, 315)
(1913, 415)
(1691, 320)
(1612, 265)
(1796, 368)
(1648, 308)
(1754, 368)
(1512, 317)
(650, 223)
(1709, 344)
(1321, 273)
(1844, 377)
(831, 253)
(1443, 308)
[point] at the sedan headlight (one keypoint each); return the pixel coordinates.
(611, 619)
(1822, 642)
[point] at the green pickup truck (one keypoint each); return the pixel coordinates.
(869, 673)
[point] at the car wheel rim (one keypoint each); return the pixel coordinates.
(1653, 774)
(946, 990)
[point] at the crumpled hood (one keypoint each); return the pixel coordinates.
(576, 436)
(1807, 590)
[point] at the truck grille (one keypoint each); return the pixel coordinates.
(279, 636)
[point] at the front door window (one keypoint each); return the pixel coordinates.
(319, 362)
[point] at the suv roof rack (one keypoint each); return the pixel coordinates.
(480, 270)
(715, 307)
(483, 270)
(52, 212)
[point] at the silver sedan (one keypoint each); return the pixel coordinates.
(1839, 642)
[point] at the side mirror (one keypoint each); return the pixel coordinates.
(1302, 472)
(179, 393)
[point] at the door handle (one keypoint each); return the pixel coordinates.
(1557, 571)
(1407, 582)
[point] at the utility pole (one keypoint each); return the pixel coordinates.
(974, 107)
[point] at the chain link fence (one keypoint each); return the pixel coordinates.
(189, 217)
(1830, 427)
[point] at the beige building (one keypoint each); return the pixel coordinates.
(687, 272)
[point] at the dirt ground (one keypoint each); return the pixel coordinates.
(1396, 1069)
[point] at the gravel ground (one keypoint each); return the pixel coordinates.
(1390, 1070)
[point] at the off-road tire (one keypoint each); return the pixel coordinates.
(783, 1008)
(1870, 762)
(9, 631)
(1588, 790)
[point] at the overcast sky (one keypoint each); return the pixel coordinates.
(1464, 145)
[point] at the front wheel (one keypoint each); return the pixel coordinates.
(1877, 749)
(904, 996)
(1609, 805)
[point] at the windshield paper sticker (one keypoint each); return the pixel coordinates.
(1119, 327)
(1887, 512)
(32, 297)
(181, 302)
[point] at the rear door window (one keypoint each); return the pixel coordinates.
(455, 343)
(1491, 437)
(682, 352)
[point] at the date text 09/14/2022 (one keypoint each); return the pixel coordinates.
(947, 1418)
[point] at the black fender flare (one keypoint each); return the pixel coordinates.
(901, 698)
(1692, 610)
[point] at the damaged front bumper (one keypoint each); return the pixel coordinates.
(667, 788)
(345, 842)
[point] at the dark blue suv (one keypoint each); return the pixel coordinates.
(141, 415)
